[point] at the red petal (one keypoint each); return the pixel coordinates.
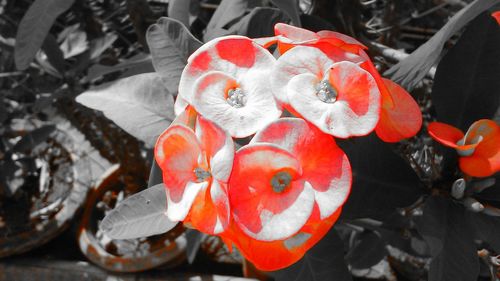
(400, 115)
(324, 165)
(445, 134)
(355, 112)
(496, 16)
(270, 256)
(240, 51)
(178, 154)
(219, 147)
(485, 161)
(339, 39)
(210, 210)
(262, 211)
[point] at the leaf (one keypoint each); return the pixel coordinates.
(228, 13)
(54, 54)
(179, 10)
(444, 228)
(138, 61)
(486, 228)
(466, 85)
(259, 22)
(140, 104)
(411, 70)
(315, 23)
(382, 181)
(170, 44)
(140, 215)
(34, 27)
(74, 44)
(33, 138)
(369, 251)
(324, 261)
(291, 8)
(101, 44)
(155, 175)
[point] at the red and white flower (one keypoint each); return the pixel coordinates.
(400, 115)
(227, 81)
(287, 184)
(339, 97)
(479, 148)
(196, 166)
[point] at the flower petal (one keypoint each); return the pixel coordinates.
(299, 60)
(278, 211)
(356, 109)
(339, 39)
(284, 252)
(219, 147)
(260, 108)
(232, 55)
(325, 167)
(485, 160)
(177, 152)
(445, 134)
(400, 115)
(210, 209)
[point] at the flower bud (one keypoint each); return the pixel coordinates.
(473, 205)
(458, 188)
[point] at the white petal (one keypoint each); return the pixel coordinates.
(177, 211)
(287, 223)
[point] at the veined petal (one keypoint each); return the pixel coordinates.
(177, 152)
(325, 167)
(400, 117)
(259, 109)
(210, 210)
(268, 199)
(219, 147)
(354, 112)
(299, 60)
(232, 55)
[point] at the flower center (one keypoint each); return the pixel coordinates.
(201, 174)
(236, 97)
(325, 92)
(280, 181)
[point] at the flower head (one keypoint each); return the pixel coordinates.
(303, 180)
(227, 81)
(339, 97)
(479, 148)
(196, 166)
(400, 115)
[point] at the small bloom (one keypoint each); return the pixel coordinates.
(479, 148)
(340, 98)
(303, 180)
(400, 115)
(227, 81)
(196, 166)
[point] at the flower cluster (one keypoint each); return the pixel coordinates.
(479, 148)
(280, 193)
